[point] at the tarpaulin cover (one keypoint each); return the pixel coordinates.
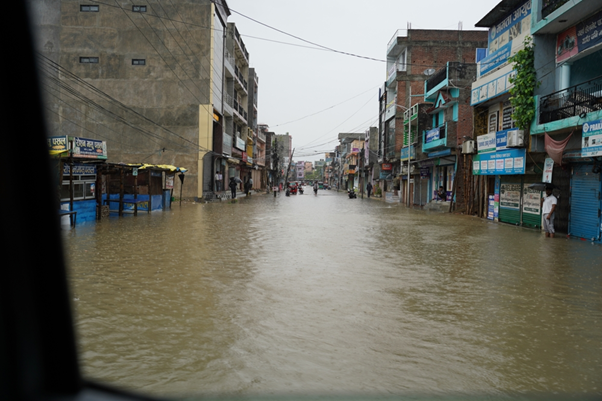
(555, 148)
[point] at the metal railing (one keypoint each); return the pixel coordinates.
(576, 100)
(549, 6)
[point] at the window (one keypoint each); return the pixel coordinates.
(138, 61)
(507, 121)
(89, 9)
(83, 187)
(139, 9)
(88, 60)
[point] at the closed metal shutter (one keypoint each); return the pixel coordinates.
(510, 199)
(584, 219)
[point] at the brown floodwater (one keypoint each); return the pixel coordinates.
(326, 295)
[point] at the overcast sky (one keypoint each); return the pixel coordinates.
(296, 82)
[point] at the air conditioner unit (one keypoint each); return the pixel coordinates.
(468, 147)
(516, 139)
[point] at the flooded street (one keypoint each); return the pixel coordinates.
(329, 295)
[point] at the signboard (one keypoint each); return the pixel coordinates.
(387, 167)
(513, 28)
(424, 173)
(486, 143)
(548, 168)
(58, 144)
(591, 142)
(531, 200)
(240, 144)
(89, 148)
(491, 207)
(508, 162)
(510, 196)
(497, 86)
(169, 181)
(404, 153)
(579, 38)
(501, 140)
(79, 169)
(432, 135)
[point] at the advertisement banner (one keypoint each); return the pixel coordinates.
(486, 143)
(432, 135)
(531, 200)
(386, 167)
(508, 162)
(591, 142)
(516, 25)
(579, 38)
(510, 196)
(89, 148)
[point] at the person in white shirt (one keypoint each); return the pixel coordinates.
(548, 203)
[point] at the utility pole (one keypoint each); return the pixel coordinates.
(289, 166)
(362, 172)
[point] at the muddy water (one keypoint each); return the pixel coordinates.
(330, 295)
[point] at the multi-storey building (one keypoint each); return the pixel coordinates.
(412, 56)
(131, 76)
(567, 128)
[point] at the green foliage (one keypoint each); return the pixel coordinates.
(525, 82)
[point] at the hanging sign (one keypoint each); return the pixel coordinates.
(486, 143)
(548, 168)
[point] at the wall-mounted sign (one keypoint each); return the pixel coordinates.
(578, 38)
(169, 181)
(79, 169)
(405, 151)
(240, 144)
(510, 196)
(386, 167)
(508, 162)
(432, 135)
(89, 148)
(591, 142)
(531, 200)
(486, 143)
(58, 144)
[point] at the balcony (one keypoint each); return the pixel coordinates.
(549, 6)
(571, 102)
(240, 80)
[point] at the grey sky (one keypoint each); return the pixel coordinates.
(297, 81)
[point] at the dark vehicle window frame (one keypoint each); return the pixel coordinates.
(38, 352)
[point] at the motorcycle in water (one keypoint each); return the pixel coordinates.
(351, 193)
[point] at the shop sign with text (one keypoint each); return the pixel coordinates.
(508, 162)
(591, 142)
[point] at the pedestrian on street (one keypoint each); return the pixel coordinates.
(315, 187)
(369, 188)
(548, 203)
(233, 187)
(218, 181)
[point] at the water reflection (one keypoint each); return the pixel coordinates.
(326, 294)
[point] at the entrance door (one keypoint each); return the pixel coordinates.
(584, 218)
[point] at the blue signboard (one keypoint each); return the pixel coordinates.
(440, 153)
(89, 148)
(591, 142)
(432, 135)
(496, 59)
(404, 153)
(501, 139)
(508, 162)
(589, 32)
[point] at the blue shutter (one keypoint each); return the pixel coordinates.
(584, 220)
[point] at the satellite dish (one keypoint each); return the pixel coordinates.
(429, 71)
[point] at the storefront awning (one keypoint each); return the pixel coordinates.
(159, 166)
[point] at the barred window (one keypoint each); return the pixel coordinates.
(138, 61)
(139, 9)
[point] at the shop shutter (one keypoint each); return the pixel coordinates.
(510, 199)
(584, 219)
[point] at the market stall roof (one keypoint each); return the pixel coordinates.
(142, 166)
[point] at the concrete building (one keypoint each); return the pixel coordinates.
(412, 56)
(567, 128)
(135, 77)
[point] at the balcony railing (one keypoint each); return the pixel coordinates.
(436, 79)
(549, 6)
(576, 100)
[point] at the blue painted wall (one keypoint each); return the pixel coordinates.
(156, 202)
(86, 210)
